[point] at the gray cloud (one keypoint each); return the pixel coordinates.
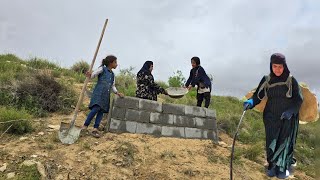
(233, 39)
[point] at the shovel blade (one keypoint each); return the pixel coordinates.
(67, 134)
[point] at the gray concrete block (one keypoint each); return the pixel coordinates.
(144, 116)
(173, 131)
(195, 133)
(122, 126)
(144, 128)
(205, 123)
(213, 135)
(184, 121)
(164, 119)
(195, 111)
(211, 113)
(118, 113)
(132, 115)
(173, 109)
(127, 102)
(149, 105)
(136, 115)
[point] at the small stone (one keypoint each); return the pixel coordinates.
(222, 144)
(3, 167)
(11, 175)
(82, 152)
(23, 138)
(41, 133)
(41, 169)
(96, 143)
(54, 127)
(34, 156)
(28, 163)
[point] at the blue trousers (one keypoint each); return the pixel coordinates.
(96, 110)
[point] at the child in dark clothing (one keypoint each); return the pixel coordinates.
(199, 77)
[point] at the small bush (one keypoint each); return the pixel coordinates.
(162, 84)
(18, 127)
(253, 152)
(11, 68)
(38, 63)
(126, 82)
(29, 172)
(81, 67)
(41, 94)
(177, 80)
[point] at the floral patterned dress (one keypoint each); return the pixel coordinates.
(146, 87)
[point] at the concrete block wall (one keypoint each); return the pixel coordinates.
(134, 115)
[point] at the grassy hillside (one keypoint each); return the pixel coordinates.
(35, 88)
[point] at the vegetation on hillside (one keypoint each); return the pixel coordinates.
(37, 87)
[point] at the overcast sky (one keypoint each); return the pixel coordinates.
(234, 39)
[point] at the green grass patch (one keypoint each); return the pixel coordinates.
(38, 63)
(20, 121)
(254, 152)
(29, 173)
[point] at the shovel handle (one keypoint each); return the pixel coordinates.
(88, 78)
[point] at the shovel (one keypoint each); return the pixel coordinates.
(69, 133)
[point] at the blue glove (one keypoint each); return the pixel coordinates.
(287, 115)
(248, 104)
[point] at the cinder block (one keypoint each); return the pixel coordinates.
(184, 121)
(144, 116)
(144, 128)
(127, 102)
(213, 135)
(211, 113)
(205, 123)
(118, 113)
(195, 133)
(173, 109)
(149, 105)
(164, 119)
(173, 131)
(132, 115)
(136, 115)
(122, 126)
(195, 111)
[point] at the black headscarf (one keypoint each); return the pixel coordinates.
(278, 58)
(146, 67)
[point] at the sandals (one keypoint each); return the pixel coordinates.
(84, 132)
(95, 134)
(102, 128)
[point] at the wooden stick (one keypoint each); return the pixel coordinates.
(87, 78)
(6, 130)
(12, 121)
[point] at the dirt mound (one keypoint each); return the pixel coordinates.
(124, 156)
